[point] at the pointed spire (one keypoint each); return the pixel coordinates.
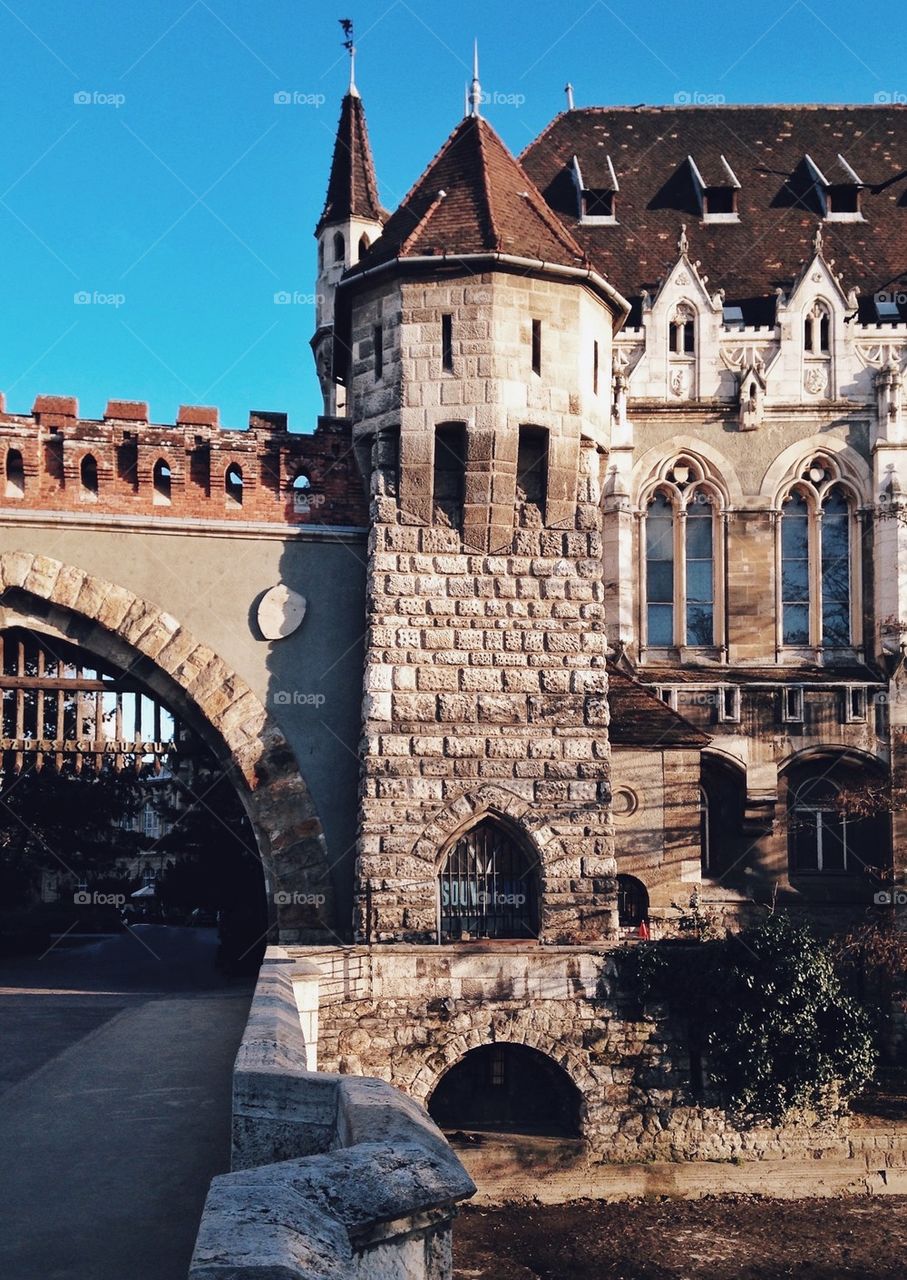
(568, 89)
(352, 188)
(475, 89)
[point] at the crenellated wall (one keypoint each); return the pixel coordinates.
(124, 449)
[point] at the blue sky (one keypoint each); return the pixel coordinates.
(147, 167)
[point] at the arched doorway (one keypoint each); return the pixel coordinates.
(113, 812)
(722, 800)
(487, 887)
(507, 1088)
(632, 903)
(135, 635)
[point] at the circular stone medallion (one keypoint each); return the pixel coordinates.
(280, 612)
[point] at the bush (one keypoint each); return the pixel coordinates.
(770, 1011)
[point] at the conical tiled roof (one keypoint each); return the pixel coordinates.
(475, 197)
(352, 189)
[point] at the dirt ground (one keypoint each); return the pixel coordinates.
(722, 1238)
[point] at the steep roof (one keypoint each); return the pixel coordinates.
(640, 719)
(352, 189)
(766, 147)
(474, 197)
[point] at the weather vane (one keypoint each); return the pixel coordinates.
(349, 45)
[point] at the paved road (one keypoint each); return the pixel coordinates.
(115, 1063)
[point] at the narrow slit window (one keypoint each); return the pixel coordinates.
(595, 368)
(233, 485)
(162, 483)
(15, 474)
(447, 343)
(537, 346)
(88, 475)
(378, 337)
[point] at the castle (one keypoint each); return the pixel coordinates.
(616, 432)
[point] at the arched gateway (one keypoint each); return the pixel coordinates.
(116, 625)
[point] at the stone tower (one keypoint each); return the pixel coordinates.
(350, 222)
(479, 350)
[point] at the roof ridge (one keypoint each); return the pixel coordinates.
(422, 222)
(486, 181)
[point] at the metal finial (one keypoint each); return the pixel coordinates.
(349, 45)
(568, 89)
(475, 89)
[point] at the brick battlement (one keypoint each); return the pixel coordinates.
(123, 464)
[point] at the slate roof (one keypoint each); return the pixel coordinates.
(640, 719)
(474, 197)
(352, 189)
(766, 147)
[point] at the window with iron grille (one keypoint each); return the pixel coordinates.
(487, 888)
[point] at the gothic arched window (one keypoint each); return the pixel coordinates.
(681, 542)
(339, 247)
(233, 485)
(487, 887)
(816, 587)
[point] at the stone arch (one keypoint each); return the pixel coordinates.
(716, 467)
(135, 634)
(447, 1053)
(853, 470)
(508, 808)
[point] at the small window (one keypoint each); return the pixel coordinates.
(843, 199)
(320, 255)
(667, 695)
(363, 246)
(88, 476)
(233, 485)
(15, 474)
(537, 346)
(162, 483)
(595, 368)
(729, 704)
(792, 704)
(378, 338)
(532, 467)
(855, 704)
(339, 247)
(449, 474)
(447, 343)
(719, 201)
(302, 493)
(817, 330)
(598, 204)
(682, 336)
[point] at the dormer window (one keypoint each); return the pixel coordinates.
(596, 188)
(717, 196)
(838, 190)
(732, 317)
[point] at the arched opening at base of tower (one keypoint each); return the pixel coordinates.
(508, 1088)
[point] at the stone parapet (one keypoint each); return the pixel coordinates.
(333, 1176)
